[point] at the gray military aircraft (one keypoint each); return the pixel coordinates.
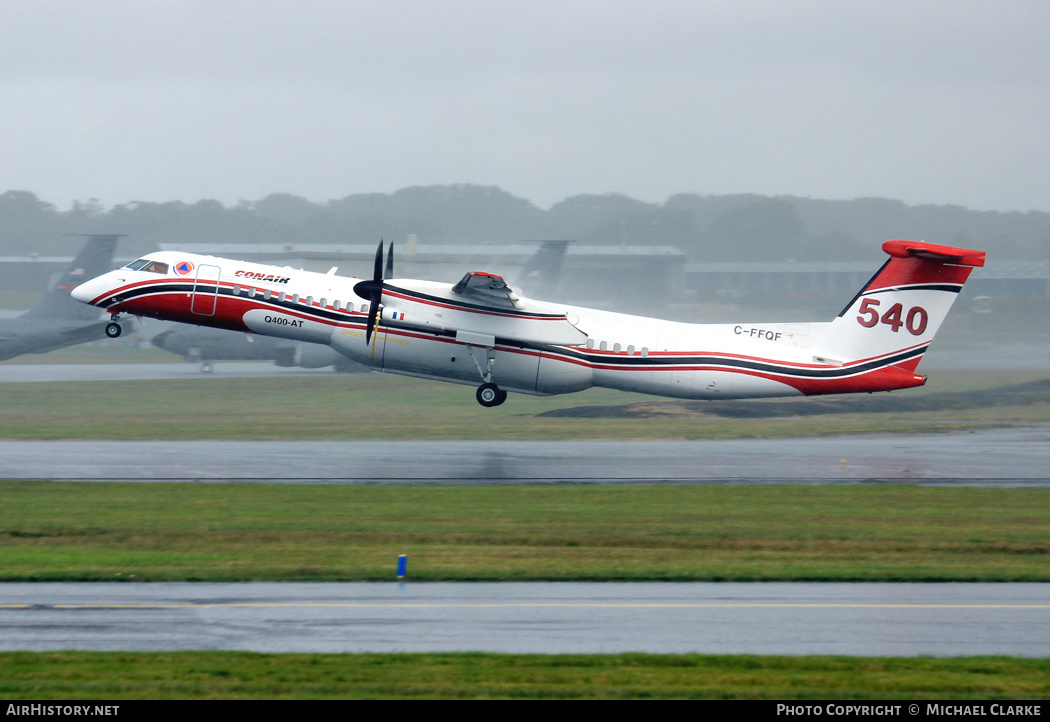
(59, 321)
(199, 344)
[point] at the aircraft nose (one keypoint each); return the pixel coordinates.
(88, 291)
(82, 293)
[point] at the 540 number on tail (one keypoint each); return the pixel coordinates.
(894, 317)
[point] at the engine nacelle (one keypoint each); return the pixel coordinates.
(559, 376)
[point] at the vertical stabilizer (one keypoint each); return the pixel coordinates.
(895, 316)
(94, 259)
(541, 276)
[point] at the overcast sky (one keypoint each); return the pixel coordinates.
(157, 100)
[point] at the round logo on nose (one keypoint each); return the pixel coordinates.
(184, 268)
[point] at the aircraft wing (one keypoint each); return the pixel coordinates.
(483, 304)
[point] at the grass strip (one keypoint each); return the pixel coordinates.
(245, 675)
(215, 532)
(378, 406)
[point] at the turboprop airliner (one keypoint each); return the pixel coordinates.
(482, 332)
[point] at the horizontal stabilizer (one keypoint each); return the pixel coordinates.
(931, 252)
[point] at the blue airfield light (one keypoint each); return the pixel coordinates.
(402, 566)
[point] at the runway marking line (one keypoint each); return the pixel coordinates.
(504, 605)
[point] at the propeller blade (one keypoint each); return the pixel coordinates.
(390, 262)
(373, 311)
(373, 291)
(377, 274)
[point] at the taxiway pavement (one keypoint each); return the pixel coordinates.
(870, 619)
(996, 457)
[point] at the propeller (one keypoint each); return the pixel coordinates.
(373, 290)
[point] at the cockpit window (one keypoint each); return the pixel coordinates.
(144, 264)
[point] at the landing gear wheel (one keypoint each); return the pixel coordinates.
(113, 329)
(206, 368)
(490, 395)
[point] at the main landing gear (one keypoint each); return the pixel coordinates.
(488, 394)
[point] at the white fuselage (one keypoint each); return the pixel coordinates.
(425, 329)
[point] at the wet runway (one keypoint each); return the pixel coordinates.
(35, 373)
(871, 619)
(760, 618)
(998, 457)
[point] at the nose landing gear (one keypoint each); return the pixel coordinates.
(113, 328)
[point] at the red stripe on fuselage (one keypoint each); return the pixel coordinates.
(230, 310)
(758, 359)
(138, 284)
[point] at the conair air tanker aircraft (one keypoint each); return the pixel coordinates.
(481, 332)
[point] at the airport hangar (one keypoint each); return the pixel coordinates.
(650, 276)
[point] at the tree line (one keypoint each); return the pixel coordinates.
(742, 227)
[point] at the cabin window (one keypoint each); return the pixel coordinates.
(251, 293)
(266, 294)
(364, 308)
(309, 300)
(155, 267)
(236, 290)
(336, 304)
(324, 302)
(616, 348)
(145, 264)
(280, 297)
(645, 352)
(630, 350)
(603, 346)
(590, 343)
(295, 298)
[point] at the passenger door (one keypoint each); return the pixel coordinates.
(205, 290)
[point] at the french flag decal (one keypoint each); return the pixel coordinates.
(398, 316)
